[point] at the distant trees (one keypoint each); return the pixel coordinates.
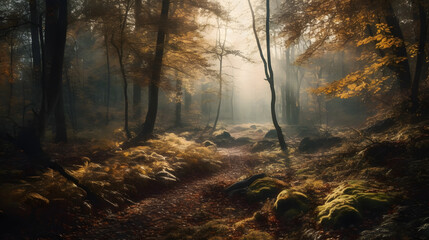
(381, 32)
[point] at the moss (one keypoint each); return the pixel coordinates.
(290, 204)
(349, 201)
(210, 230)
(256, 235)
(264, 188)
(341, 216)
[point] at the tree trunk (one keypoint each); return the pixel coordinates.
(403, 67)
(54, 45)
(188, 100)
(35, 49)
(178, 112)
(269, 71)
(106, 45)
(219, 93)
(11, 79)
(137, 96)
(149, 124)
(120, 52)
(421, 56)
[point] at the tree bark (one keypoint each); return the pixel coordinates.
(137, 96)
(54, 45)
(35, 49)
(403, 67)
(149, 124)
(269, 71)
(106, 45)
(120, 52)
(421, 56)
(178, 113)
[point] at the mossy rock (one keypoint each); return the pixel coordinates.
(256, 235)
(290, 204)
(264, 188)
(350, 202)
(341, 216)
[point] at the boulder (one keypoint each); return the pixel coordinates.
(290, 204)
(271, 134)
(264, 188)
(262, 146)
(223, 139)
(243, 141)
(241, 186)
(208, 143)
(310, 145)
(382, 153)
(350, 202)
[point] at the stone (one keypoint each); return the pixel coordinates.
(264, 188)
(290, 204)
(263, 146)
(350, 202)
(271, 134)
(310, 145)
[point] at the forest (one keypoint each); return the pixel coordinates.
(214, 119)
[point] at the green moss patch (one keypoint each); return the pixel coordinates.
(264, 188)
(290, 204)
(350, 201)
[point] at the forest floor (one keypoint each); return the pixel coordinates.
(364, 183)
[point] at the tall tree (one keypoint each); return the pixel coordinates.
(54, 45)
(269, 74)
(118, 44)
(149, 124)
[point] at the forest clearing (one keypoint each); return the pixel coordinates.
(214, 119)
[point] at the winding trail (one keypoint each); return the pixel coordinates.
(190, 203)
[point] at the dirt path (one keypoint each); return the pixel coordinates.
(190, 203)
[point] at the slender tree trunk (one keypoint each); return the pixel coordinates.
(188, 100)
(120, 52)
(106, 45)
(151, 114)
(219, 93)
(421, 56)
(269, 71)
(35, 50)
(402, 68)
(137, 96)
(11, 80)
(178, 113)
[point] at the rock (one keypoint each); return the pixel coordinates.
(381, 153)
(290, 204)
(262, 146)
(310, 145)
(264, 188)
(243, 141)
(208, 143)
(223, 139)
(349, 202)
(256, 235)
(271, 134)
(243, 184)
(238, 129)
(253, 126)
